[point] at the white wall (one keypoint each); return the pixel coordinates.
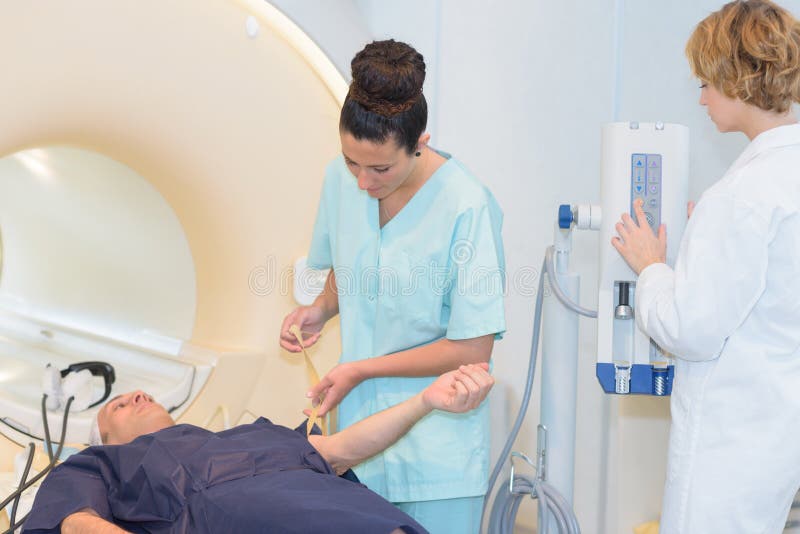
(518, 90)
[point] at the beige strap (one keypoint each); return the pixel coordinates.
(295, 330)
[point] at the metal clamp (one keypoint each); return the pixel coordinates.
(527, 460)
(541, 452)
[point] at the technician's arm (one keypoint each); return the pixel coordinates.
(87, 521)
(457, 391)
(718, 277)
(328, 300)
(427, 360)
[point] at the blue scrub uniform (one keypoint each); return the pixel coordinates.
(435, 270)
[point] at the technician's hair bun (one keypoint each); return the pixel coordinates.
(387, 77)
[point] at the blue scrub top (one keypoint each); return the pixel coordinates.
(435, 270)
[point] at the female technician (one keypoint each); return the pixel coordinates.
(414, 241)
(730, 310)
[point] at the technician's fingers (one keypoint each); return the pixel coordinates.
(621, 230)
(689, 209)
(641, 218)
(330, 402)
(320, 388)
(662, 235)
(630, 226)
(618, 244)
(287, 339)
(312, 339)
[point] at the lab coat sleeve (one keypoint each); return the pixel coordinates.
(319, 254)
(69, 488)
(719, 275)
(477, 262)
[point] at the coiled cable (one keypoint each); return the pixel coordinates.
(506, 503)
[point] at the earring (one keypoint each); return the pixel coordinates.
(418, 154)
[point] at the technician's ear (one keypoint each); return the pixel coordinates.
(423, 140)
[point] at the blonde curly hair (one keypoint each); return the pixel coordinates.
(750, 50)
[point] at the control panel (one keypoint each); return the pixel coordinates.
(646, 184)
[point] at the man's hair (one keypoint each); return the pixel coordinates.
(750, 50)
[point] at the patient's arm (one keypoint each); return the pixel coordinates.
(87, 521)
(457, 391)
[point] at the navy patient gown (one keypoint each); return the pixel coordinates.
(258, 477)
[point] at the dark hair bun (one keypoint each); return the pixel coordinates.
(387, 77)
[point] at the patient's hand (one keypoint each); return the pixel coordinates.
(461, 390)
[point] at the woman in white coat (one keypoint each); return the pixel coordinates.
(730, 309)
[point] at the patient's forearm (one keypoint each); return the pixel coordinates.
(370, 436)
(86, 522)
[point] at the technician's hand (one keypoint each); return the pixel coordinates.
(461, 390)
(335, 385)
(637, 244)
(310, 319)
(689, 209)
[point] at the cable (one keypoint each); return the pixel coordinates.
(46, 428)
(565, 300)
(23, 487)
(526, 397)
(14, 527)
(189, 394)
(540, 489)
(551, 504)
(28, 463)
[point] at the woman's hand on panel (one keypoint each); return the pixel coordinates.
(310, 319)
(637, 244)
(461, 390)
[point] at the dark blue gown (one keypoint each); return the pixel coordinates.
(253, 478)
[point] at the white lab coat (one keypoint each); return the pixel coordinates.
(731, 311)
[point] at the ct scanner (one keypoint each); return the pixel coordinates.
(160, 166)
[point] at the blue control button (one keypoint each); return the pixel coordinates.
(565, 216)
(638, 189)
(639, 161)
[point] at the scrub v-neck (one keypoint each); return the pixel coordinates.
(420, 193)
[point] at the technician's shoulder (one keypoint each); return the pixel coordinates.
(769, 180)
(467, 192)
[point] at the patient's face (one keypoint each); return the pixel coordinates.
(126, 417)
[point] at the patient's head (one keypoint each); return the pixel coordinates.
(126, 417)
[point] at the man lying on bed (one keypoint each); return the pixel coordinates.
(152, 475)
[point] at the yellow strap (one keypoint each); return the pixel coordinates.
(295, 330)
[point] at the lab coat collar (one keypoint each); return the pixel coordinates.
(773, 138)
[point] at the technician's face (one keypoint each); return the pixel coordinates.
(726, 112)
(380, 168)
(126, 417)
